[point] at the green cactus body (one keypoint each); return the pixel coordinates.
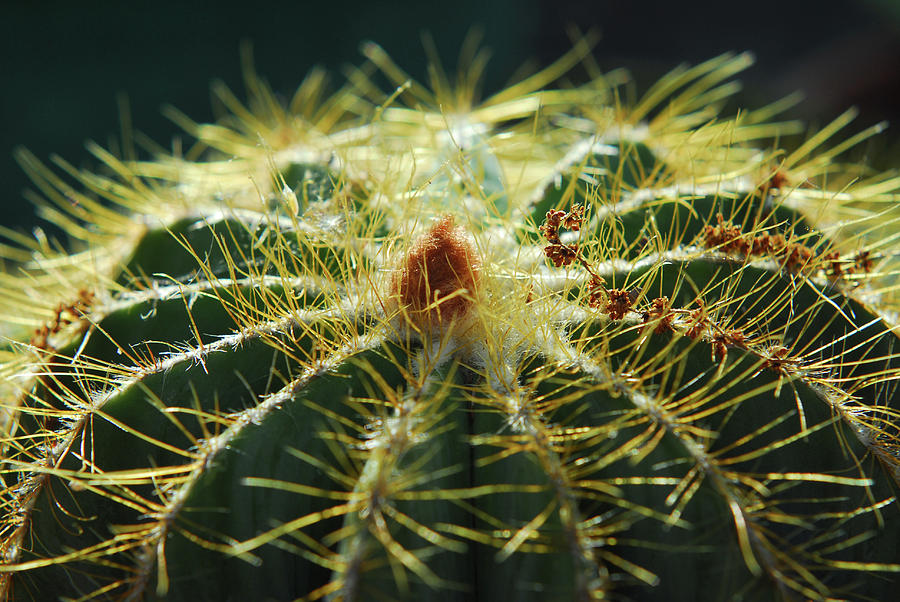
(402, 346)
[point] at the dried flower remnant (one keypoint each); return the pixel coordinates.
(775, 181)
(65, 314)
(776, 359)
(597, 292)
(725, 236)
(724, 339)
(834, 267)
(439, 275)
(767, 244)
(660, 312)
(550, 227)
(698, 320)
(618, 304)
(794, 257)
(864, 261)
(797, 257)
(562, 255)
(559, 253)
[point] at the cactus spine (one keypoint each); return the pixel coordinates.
(408, 346)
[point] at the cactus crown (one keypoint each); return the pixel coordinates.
(403, 344)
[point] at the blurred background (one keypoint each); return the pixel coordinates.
(63, 63)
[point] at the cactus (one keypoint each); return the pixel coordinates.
(377, 345)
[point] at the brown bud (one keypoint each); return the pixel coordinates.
(439, 275)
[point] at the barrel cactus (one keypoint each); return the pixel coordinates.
(401, 344)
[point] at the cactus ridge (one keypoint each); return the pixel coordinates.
(409, 345)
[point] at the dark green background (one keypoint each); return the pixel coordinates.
(64, 63)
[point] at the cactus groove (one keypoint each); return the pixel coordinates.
(407, 345)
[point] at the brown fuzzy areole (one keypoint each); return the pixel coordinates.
(439, 275)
